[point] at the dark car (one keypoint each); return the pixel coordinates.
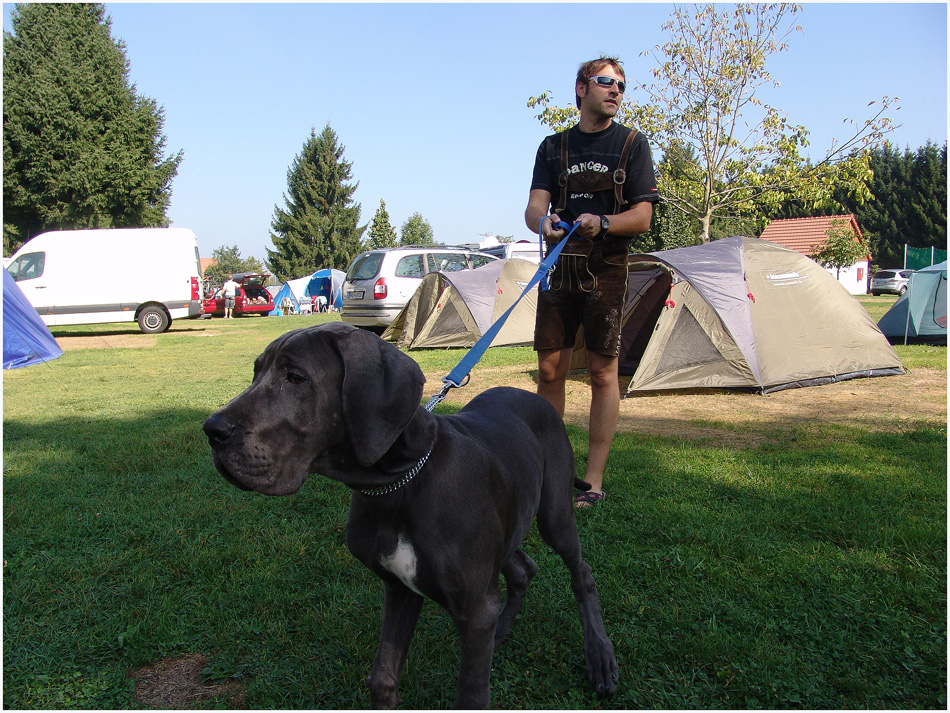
(251, 297)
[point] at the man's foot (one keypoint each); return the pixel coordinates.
(588, 499)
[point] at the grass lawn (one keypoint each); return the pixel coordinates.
(802, 568)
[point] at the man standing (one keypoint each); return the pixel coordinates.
(230, 291)
(598, 174)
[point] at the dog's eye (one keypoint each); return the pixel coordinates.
(296, 378)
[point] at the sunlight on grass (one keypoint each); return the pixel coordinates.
(808, 571)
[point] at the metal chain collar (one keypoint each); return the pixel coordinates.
(392, 487)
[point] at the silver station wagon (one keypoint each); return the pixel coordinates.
(380, 282)
(893, 281)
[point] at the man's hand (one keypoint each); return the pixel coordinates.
(589, 226)
(549, 229)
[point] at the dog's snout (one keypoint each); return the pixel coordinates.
(218, 429)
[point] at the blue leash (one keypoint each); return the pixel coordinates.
(459, 376)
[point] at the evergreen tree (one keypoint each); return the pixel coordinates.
(908, 203)
(381, 232)
(81, 149)
(416, 231)
(319, 227)
(927, 202)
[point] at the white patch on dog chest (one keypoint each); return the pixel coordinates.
(402, 563)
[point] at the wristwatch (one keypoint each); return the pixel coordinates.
(604, 226)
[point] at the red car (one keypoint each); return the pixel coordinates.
(251, 297)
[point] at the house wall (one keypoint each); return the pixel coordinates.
(854, 278)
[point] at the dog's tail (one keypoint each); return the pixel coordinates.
(581, 484)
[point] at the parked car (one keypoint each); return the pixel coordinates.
(252, 297)
(893, 281)
(523, 249)
(380, 282)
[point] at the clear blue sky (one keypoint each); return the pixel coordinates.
(429, 100)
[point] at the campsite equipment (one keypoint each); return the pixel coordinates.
(920, 315)
(26, 340)
(326, 282)
(742, 313)
(454, 309)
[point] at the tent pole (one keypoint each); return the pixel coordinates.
(910, 284)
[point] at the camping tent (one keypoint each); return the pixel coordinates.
(327, 282)
(920, 315)
(743, 313)
(453, 309)
(283, 293)
(26, 340)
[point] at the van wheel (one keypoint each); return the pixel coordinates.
(153, 320)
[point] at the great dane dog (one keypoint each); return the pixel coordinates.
(440, 504)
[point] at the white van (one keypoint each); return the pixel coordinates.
(145, 275)
(521, 249)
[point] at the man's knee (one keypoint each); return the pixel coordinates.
(553, 366)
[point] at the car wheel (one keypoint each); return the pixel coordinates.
(153, 320)
(876, 294)
(902, 290)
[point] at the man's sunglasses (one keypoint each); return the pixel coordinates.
(604, 81)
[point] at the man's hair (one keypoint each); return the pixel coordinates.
(591, 68)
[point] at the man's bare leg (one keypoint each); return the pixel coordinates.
(604, 412)
(553, 368)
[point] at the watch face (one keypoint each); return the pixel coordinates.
(604, 223)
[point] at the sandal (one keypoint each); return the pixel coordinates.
(586, 499)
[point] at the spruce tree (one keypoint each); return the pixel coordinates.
(81, 149)
(318, 228)
(381, 232)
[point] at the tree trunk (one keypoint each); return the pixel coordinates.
(704, 222)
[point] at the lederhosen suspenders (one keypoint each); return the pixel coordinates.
(590, 181)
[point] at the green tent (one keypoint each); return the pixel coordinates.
(920, 315)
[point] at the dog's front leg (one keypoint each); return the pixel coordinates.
(477, 634)
(400, 614)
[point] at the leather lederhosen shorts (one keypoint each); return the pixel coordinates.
(587, 288)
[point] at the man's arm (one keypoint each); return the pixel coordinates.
(538, 202)
(628, 224)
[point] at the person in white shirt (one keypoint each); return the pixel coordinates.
(230, 290)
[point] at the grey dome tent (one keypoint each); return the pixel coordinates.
(920, 315)
(453, 309)
(743, 313)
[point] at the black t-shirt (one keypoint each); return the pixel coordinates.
(599, 151)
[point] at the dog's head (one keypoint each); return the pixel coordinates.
(327, 388)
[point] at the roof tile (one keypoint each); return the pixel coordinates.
(804, 235)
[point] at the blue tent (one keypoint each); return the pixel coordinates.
(920, 314)
(26, 340)
(329, 283)
(284, 292)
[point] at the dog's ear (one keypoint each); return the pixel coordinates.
(382, 389)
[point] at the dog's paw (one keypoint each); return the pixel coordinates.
(602, 666)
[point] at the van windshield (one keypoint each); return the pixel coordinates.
(27, 267)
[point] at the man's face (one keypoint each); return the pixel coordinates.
(596, 99)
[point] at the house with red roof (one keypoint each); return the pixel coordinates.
(807, 235)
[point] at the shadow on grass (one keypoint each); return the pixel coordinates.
(806, 573)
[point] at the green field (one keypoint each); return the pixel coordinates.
(808, 571)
